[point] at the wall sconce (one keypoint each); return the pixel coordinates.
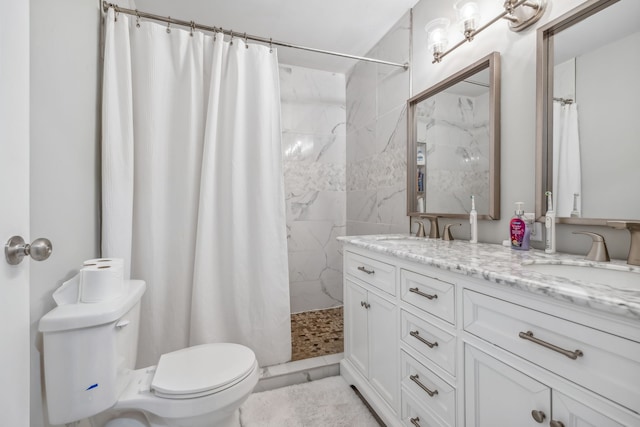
(520, 14)
(437, 36)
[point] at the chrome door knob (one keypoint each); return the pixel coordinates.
(16, 249)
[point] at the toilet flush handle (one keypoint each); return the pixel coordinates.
(121, 324)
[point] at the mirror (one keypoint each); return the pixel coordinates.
(454, 144)
(588, 148)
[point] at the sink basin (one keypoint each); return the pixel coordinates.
(399, 241)
(616, 277)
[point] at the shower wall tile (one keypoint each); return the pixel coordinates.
(314, 163)
(377, 137)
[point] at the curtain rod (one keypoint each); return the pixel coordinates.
(244, 36)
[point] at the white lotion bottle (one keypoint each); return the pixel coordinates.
(473, 221)
(550, 226)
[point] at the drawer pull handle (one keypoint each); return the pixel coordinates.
(422, 294)
(573, 355)
(417, 336)
(364, 269)
(554, 423)
(414, 421)
(539, 416)
(416, 379)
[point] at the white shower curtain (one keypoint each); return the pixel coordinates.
(567, 169)
(193, 194)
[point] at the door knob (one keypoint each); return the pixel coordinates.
(16, 249)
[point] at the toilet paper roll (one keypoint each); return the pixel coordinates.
(101, 279)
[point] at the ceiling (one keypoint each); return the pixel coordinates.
(346, 26)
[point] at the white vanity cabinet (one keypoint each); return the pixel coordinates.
(370, 323)
(431, 347)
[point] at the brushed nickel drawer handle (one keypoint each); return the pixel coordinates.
(422, 294)
(364, 269)
(573, 355)
(416, 379)
(417, 336)
(414, 421)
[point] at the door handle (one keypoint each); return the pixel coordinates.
(15, 249)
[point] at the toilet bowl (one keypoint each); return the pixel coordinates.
(89, 355)
(197, 386)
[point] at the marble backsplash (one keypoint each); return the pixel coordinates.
(376, 138)
(314, 146)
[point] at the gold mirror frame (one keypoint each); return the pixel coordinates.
(492, 63)
(544, 103)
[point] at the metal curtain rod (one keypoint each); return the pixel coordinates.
(244, 36)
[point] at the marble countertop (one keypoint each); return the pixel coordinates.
(504, 266)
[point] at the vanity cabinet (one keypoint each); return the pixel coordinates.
(370, 323)
(498, 395)
(431, 347)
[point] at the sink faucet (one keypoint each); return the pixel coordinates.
(598, 251)
(446, 233)
(434, 231)
(634, 228)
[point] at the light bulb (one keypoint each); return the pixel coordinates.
(437, 36)
(468, 16)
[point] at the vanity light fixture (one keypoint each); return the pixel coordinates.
(437, 33)
(519, 13)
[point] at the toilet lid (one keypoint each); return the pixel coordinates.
(202, 368)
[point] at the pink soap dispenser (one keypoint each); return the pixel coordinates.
(519, 230)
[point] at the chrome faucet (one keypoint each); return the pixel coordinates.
(434, 231)
(598, 251)
(634, 228)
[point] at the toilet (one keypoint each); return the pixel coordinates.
(90, 351)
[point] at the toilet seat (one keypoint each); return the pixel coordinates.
(201, 370)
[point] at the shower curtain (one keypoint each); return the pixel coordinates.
(567, 169)
(192, 183)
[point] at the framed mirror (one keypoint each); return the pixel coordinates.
(454, 144)
(588, 148)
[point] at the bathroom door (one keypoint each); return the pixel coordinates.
(14, 211)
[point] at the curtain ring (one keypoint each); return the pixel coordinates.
(117, 10)
(169, 25)
(137, 19)
(193, 27)
(231, 41)
(246, 44)
(270, 45)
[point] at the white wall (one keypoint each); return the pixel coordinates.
(64, 154)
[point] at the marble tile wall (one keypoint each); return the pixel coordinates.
(313, 144)
(376, 137)
(456, 130)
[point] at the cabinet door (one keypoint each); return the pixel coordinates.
(568, 412)
(355, 326)
(383, 348)
(498, 395)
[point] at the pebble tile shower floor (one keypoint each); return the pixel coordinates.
(316, 333)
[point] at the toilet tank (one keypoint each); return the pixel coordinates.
(90, 352)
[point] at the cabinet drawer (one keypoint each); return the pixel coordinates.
(437, 345)
(430, 294)
(604, 363)
(433, 393)
(374, 272)
(415, 415)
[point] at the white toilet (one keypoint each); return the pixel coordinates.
(89, 354)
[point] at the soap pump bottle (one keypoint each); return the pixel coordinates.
(473, 221)
(519, 231)
(550, 226)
